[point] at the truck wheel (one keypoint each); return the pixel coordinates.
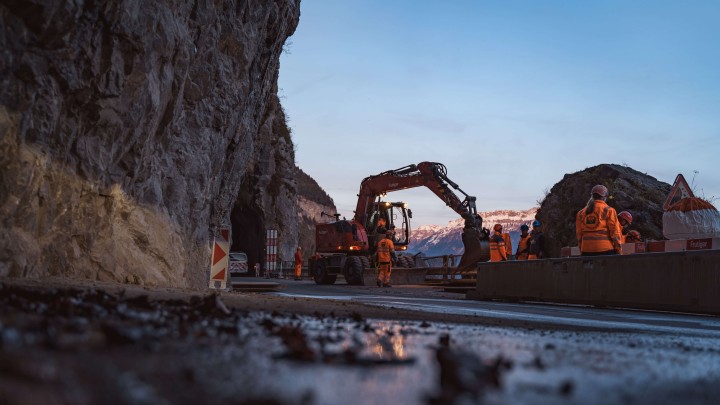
(353, 270)
(365, 262)
(404, 261)
(320, 275)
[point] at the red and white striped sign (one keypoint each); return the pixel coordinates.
(271, 252)
(219, 261)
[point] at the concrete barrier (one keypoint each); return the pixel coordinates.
(399, 276)
(676, 281)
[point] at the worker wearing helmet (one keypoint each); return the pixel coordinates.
(298, 263)
(596, 226)
(523, 244)
(498, 249)
(625, 219)
(385, 256)
(633, 237)
(381, 225)
(536, 245)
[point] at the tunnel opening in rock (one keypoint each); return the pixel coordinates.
(248, 232)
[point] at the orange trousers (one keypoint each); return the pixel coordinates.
(298, 270)
(384, 270)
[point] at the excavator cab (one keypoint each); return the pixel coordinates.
(394, 216)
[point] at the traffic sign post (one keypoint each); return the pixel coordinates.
(220, 260)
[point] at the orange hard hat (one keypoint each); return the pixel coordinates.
(600, 190)
(626, 216)
(497, 228)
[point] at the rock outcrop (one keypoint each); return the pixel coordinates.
(640, 194)
(312, 202)
(131, 130)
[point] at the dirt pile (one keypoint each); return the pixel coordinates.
(131, 130)
(630, 190)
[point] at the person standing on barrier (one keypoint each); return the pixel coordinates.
(596, 226)
(298, 263)
(498, 249)
(385, 256)
(536, 245)
(523, 244)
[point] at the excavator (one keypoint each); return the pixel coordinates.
(347, 247)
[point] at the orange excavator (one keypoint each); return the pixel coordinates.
(347, 246)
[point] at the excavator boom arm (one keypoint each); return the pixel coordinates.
(428, 174)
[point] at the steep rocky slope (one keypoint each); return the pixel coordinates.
(131, 130)
(312, 201)
(630, 190)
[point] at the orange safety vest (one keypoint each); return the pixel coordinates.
(384, 247)
(598, 231)
(522, 250)
(498, 252)
(508, 245)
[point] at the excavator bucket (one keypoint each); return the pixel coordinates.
(477, 248)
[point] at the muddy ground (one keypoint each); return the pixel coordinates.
(64, 342)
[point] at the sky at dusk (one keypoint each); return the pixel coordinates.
(508, 95)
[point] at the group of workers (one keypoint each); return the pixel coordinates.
(599, 231)
(530, 247)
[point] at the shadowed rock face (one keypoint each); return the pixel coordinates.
(630, 190)
(131, 129)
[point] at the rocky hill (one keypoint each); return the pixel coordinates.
(435, 240)
(131, 131)
(630, 190)
(312, 200)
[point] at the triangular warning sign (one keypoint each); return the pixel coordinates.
(225, 233)
(218, 254)
(679, 191)
(220, 275)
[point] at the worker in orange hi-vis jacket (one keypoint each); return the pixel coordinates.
(625, 219)
(523, 243)
(385, 257)
(498, 250)
(298, 263)
(596, 226)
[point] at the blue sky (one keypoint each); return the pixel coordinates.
(509, 95)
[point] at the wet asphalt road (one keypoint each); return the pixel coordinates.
(79, 344)
(432, 299)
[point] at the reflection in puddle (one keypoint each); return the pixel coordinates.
(387, 343)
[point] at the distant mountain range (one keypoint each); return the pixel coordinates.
(436, 240)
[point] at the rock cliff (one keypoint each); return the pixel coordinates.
(131, 130)
(640, 194)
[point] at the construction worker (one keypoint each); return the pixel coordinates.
(298, 263)
(381, 225)
(625, 219)
(523, 244)
(386, 257)
(498, 251)
(596, 226)
(536, 244)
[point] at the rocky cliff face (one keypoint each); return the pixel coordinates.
(312, 202)
(131, 130)
(630, 190)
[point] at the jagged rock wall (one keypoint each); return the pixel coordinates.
(640, 194)
(128, 128)
(312, 202)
